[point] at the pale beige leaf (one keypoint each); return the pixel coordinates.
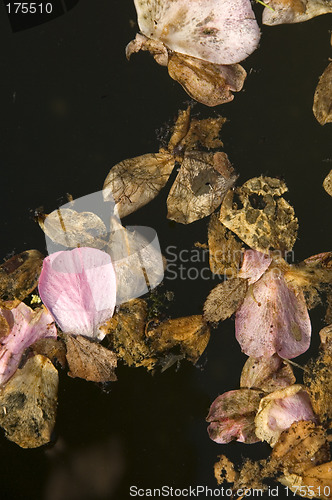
(268, 374)
(208, 83)
(225, 299)
(322, 106)
(28, 403)
(260, 216)
(199, 186)
(134, 182)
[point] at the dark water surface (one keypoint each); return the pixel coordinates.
(71, 106)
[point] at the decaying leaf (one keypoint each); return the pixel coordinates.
(232, 416)
(224, 470)
(225, 299)
(318, 379)
(327, 184)
(260, 216)
(273, 318)
(199, 186)
(19, 277)
(71, 229)
(28, 403)
(126, 333)
(189, 334)
(315, 481)
(267, 374)
(279, 409)
(219, 31)
(25, 326)
(322, 106)
(89, 360)
(225, 252)
(294, 11)
(79, 288)
(51, 348)
(208, 83)
(134, 182)
(157, 49)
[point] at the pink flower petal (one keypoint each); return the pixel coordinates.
(280, 409)
(27, 326)
(273, 318)
(254, 265)
(79, 289)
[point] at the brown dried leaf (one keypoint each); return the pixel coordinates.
(317, 378)
(294, 11)
(180, 130)
(135, 182)
(260, 216)
(19, 277)
(126, 332)
(52, 349)
(89, 360)
(199, 186)
(207, 83)
(322, 106)
(225, 299)
(203, 132)
(72, 229)
(28, 403)
(267, 374)
(327, 184)
(225, 251)
(191, 334)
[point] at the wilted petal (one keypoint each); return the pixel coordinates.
(232, 416)
(219, 31)
(273, 318)
(268, 374)
(294, 11)
(26, 327)
(280, 409)
(254, 265)
(208, 83)
(79, 289)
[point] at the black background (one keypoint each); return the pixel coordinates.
(71, 106)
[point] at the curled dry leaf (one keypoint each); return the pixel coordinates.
(267, 374)
(28, 403)
(322, 106)
(232, 416)
(79, 289)
(327, 184)
(225, 299)
(71, 229)
(157, 49)
(273, 318)
(189, 334)
(225, 252)
(208, 83)
(89, 360)
(318, 379)
(25, 326)
(135, 182)
(278, 410)
(199, 186)
(19, 277)
(294, 11)
(260, 216)
(219, 31)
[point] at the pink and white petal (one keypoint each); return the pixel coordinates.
(280, 409)
(27, 326)
(218, 31)
(254, 265)
(273, 318)
(79, 289)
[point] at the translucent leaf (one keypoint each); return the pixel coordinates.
(136, 181)
(19, 277)
(199, 186)
(219, 31)
(260, 216)
(29, 402)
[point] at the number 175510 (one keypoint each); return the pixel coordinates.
(29, 8)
